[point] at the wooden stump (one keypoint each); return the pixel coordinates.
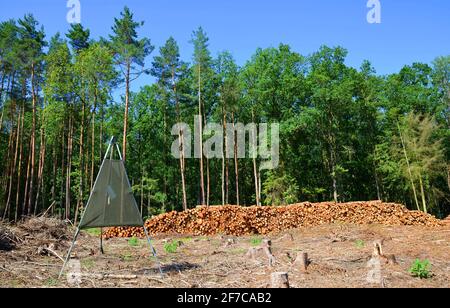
(280, 281)
(302, 261)
(267, 247)
(378, 253)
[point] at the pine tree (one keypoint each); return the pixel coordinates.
(129, 54)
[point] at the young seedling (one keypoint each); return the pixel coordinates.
(421, 269)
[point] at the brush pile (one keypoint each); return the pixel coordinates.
(240, 221)
(8, 238)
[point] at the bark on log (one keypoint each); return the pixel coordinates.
(280, 281)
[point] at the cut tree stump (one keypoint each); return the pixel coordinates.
(265, 247)
(280, 281)
(302, 262)
(378, 253)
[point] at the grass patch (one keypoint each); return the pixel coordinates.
(51, 282)
(94, 232)
(127, 257)
(421, 269)
(256, 241)
(171, 247)
(87, 263)
(238, 251)
(133, 242)
(186, 240)
(360, 244)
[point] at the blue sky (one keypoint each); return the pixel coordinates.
(411, 30)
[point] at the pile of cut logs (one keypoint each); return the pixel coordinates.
(239, 221)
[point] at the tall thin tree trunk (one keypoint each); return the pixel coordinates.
(102, 120)
(69, 167)
(202, 180)
(255, 167)
(25, 198)
(11, 175)
(33, 142)
(40, 168)
(81, 154)
(413, 186)
(93, 143)
(63, 170)
(333, 175)
(225, 159)
(448, 176)
(142, 192)
(181, 138)
(125, 118)
(1, 101)
(377, 183)
(19, 169)
(422, 192)
(236, 163)
(208, 185)
(53, 189)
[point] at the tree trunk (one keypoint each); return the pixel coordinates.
(181, 138)
(225, 160)
(11, 176)
(81, 154)
(33, 142)
(409, 168)
(63, 169)
(255, 167)
(377, 183)
(236, 165)
(53, 189)
(93, 143)
(1, 101)
(19, 169)
(448, 176)
(25, 198)
(202, 181)
(422, 192)
(69, 167)
(142, 193)
(125, 117)
(40, 168)
(279, 281)
(333, 175)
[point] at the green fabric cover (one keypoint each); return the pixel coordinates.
(112, 203)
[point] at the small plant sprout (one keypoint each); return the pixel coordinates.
(171, 247)
(421, 269)
(360, 244)
(256, 241)
(133, 242)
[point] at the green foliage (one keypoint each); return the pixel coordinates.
(51, 282)
(88, 264)
(256, 241)
(94, 232)
(171, 247)
(280, 190)
(360, 244)
(127, 257)
(421, 269)
(133, 242)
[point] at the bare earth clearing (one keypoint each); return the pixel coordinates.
(339, 255)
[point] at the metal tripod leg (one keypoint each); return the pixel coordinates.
(68, 254)
(153, 251)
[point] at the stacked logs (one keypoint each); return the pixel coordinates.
(239, 221)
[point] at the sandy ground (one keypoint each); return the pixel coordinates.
(339, 256)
